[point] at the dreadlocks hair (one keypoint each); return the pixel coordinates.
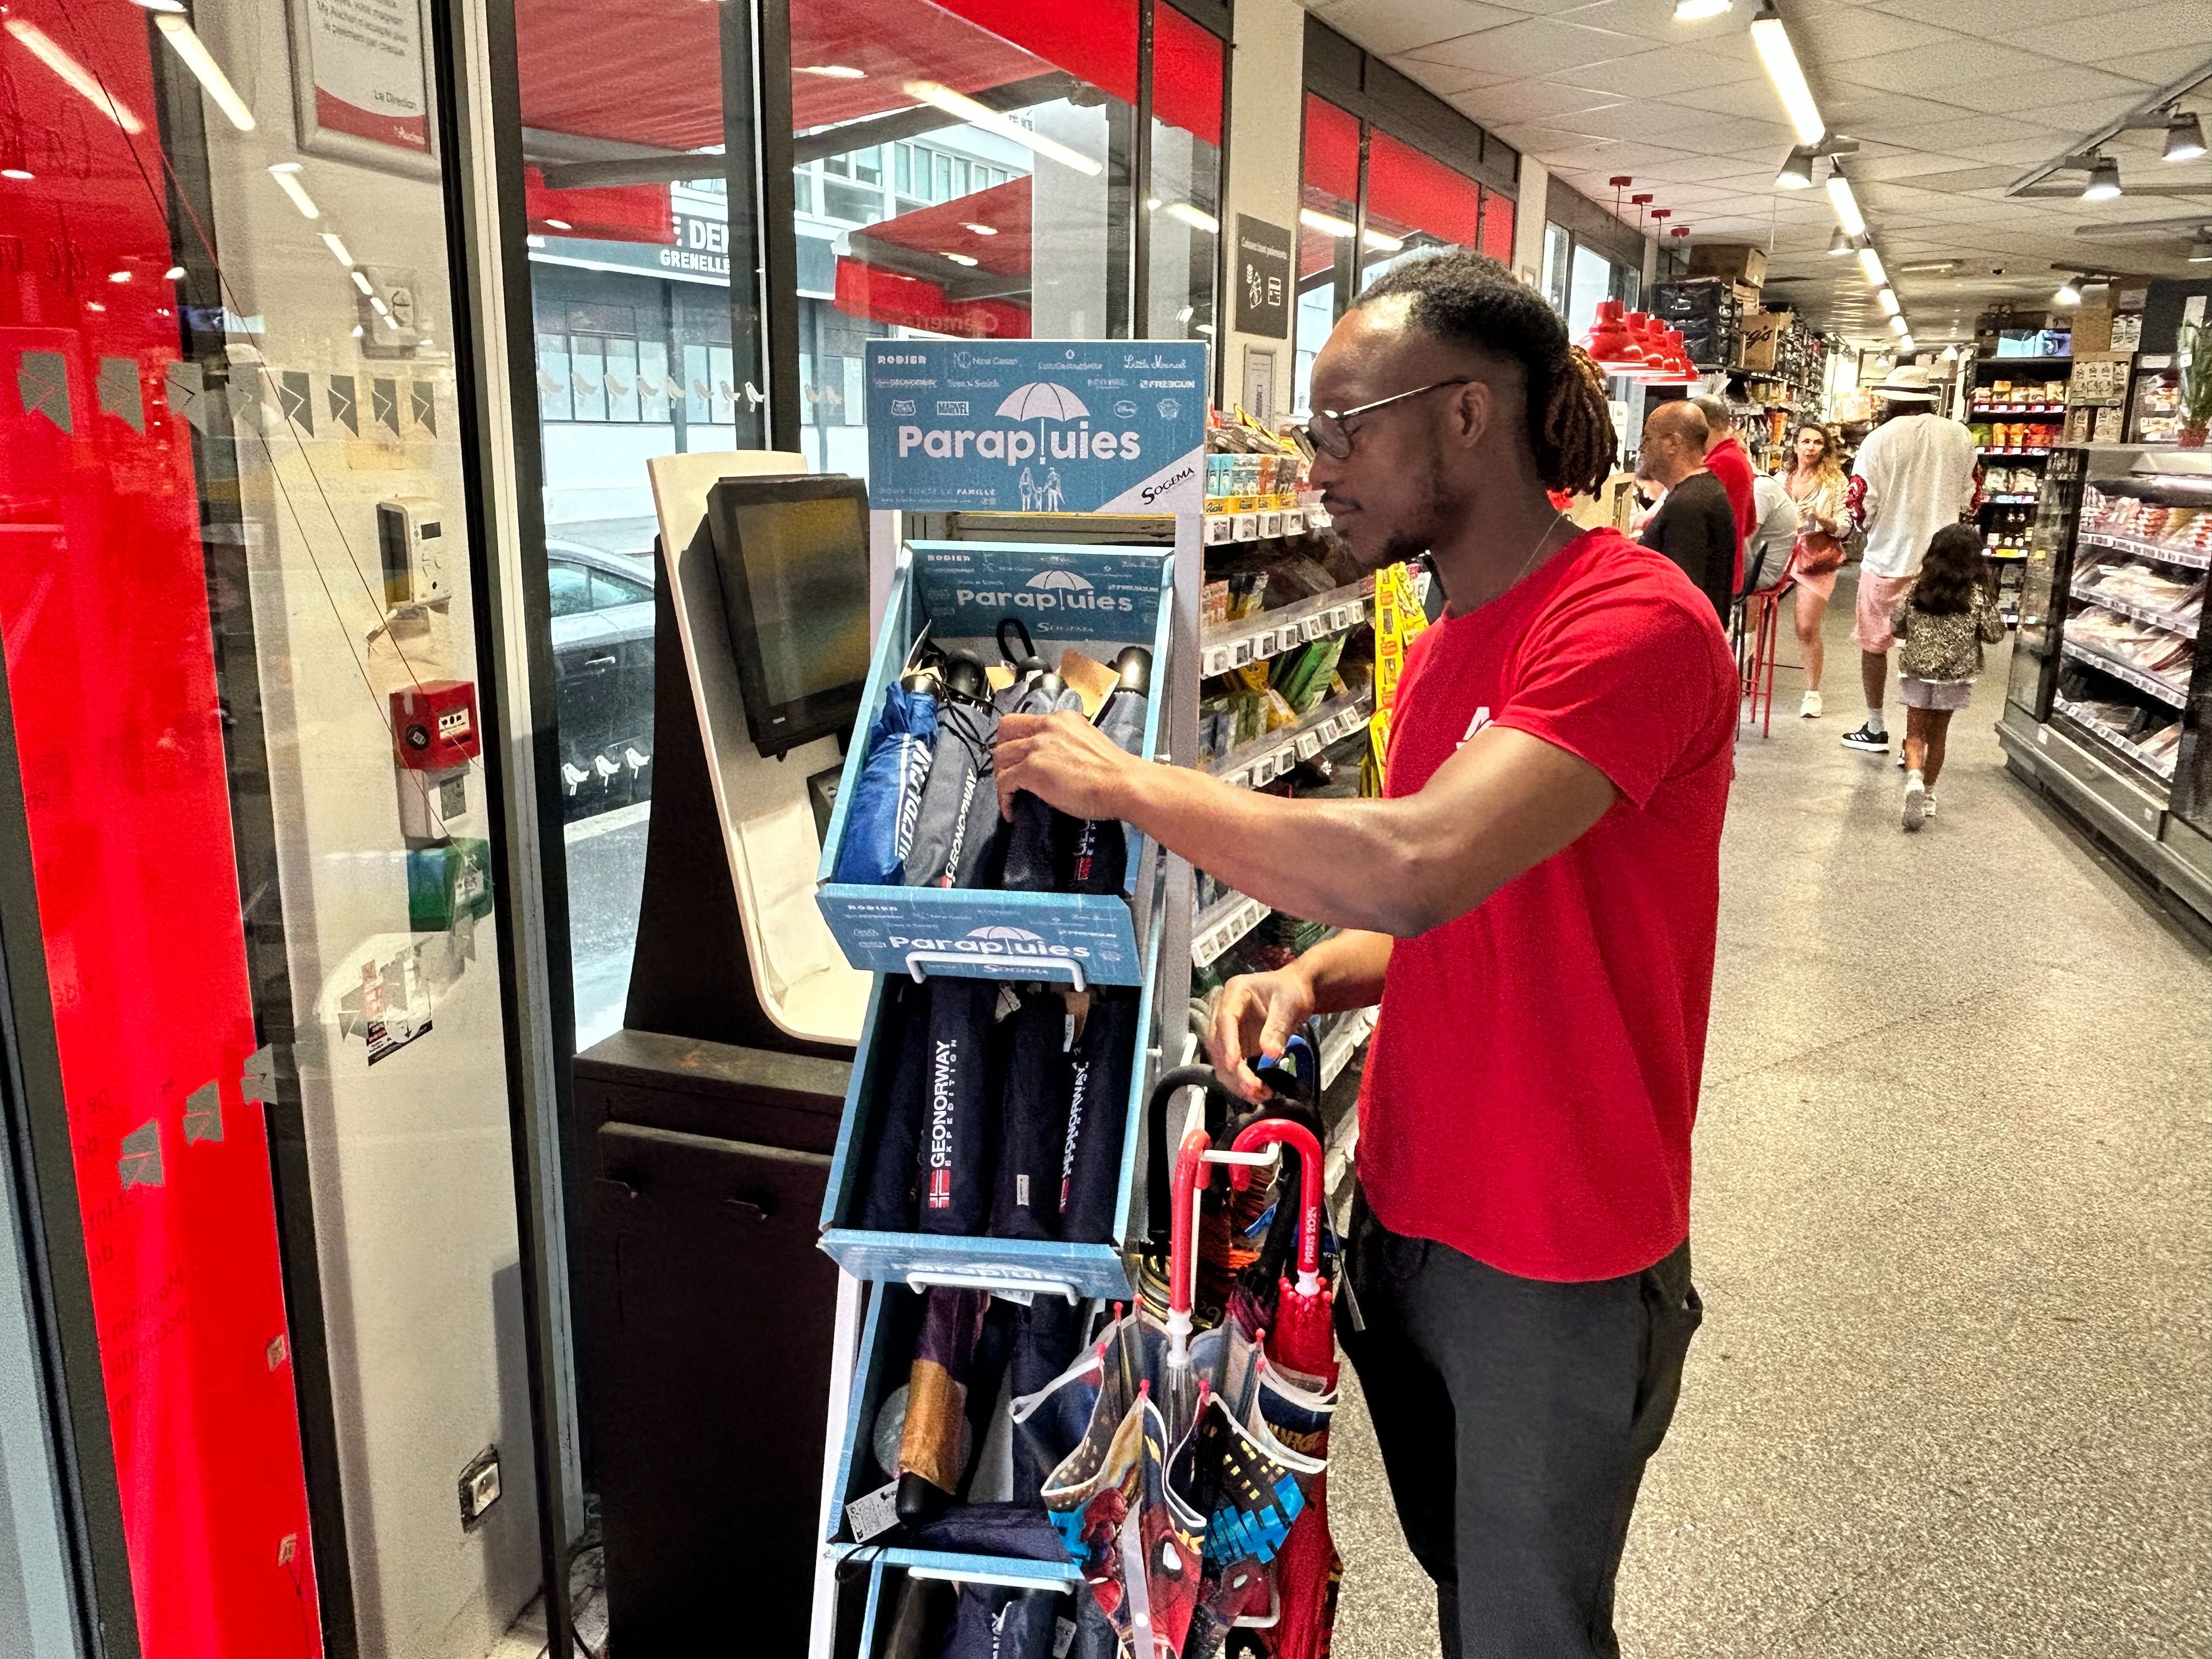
(1472, 299)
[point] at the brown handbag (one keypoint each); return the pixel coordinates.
(1818, 553)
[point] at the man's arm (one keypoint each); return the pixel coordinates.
(1255, 1013)
(1502, 806)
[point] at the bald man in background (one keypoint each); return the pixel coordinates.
(1695, 526)
(1727, 460)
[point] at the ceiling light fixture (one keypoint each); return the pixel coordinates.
(1889, 301)
(2200, 251)
(1797, 170)
(173, 274)
(990, 120)
(1197, 218)
(1950, 354)
(1899, 327)
(360, 280)
(193, 51)
(2184, 136)
(2069, 293)
(1696, 11)
(1326, 224)
(1870, 263)
(559, 224)
(42, 46)
(1839, 244)
(979, 228)
(2104, 180)
(119, 275)
(831, 71)
(286, 175)
(1771, 41)
(960, 258)
(1845, 204)
(339, 251)
(1380, 243)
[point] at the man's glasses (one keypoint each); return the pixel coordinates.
(1331, 430)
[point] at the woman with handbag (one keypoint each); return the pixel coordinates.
(1814, 480)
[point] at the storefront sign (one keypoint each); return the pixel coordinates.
(362, 83)
(1263, 277)
(1036, 426)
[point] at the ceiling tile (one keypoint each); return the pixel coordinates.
(1447, 82)
(1835, 35)
(2055, 83)
(1664, 69)
(1519, 102)
(1386, 27)
(1753, 98)
(1866, 112)
(1654, 20)
(1946, 70)
(1535, 46)
(2004, 20)
(2184, 27)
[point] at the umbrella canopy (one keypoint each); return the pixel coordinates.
(1045, 400)
(956, 840)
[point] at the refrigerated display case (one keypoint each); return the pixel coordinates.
(2109, 684)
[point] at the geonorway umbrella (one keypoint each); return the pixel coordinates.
(1094, 853)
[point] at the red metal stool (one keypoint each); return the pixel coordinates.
(1763, 619)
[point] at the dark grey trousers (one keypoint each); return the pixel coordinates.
(1515, 1416)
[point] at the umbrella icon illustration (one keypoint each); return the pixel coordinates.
(1041, 401)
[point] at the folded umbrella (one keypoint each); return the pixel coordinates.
(959, 1119)
(1100, 1067)
(997, 1622)
(1093, 853)
(1033, 1118)
(887, 1189)
(886, 799)
(956, 840)
(936, 1441)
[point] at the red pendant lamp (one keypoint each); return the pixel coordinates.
(1611, 344)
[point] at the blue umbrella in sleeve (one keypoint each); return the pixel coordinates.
(886, 805)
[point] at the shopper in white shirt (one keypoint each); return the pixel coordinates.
(1766, 554)
(1915, 474)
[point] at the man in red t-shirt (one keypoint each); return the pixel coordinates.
(1534, 905)
(1726, 460)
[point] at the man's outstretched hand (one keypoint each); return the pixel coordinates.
(1065, 762)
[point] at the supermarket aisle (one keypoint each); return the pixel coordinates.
(1949, 1226)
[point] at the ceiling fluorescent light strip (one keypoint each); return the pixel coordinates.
(193, 51)
(1771, 41)
(990, 120)
(42, 46)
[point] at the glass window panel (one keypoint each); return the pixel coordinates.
(697, 388)
(868, 166)
(608, 591)
(587, 376)
(556, 400)
(802, 190)
(1414, 203)
(1185, 259)
(1592, 281)
(1327, 209)
(653, 380)
(1498, 227)
(721, 375)
(1559, 254)
(1038, 207)
(571, 585)
(622, 381)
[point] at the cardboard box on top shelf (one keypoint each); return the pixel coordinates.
(1739, 262)
(1760, 337)
(2093, 327)
(2099, 378)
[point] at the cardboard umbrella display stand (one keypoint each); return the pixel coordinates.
(985, 1203)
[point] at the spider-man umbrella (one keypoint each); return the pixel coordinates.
(1303, 1342)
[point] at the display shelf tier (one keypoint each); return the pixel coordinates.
(2188, 558)
(1221, 926)
(2143, 613)
(2008, 501)
(1267, 758)
(1341, 1040)
(2020, 409)
(2162, 769)
(2012, 449)
(1226, 527)
(2149, 683)
(1232, 644)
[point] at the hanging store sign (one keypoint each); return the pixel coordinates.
(1263, 277)
(1036, 426)
(360, 83)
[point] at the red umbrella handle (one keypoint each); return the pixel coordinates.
(1266, 1132)
(1190, 1174)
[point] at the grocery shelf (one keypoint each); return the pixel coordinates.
(2010, 449)
(2164, 691)
(2004, 552)
(1221, 925)
(2144, 613)
(1268, 757)
(2020, 409)
(1342, 1039)
(2134, 751)
(1223, 527)
(2008, 501)
(1232, 644)
(2188, 558)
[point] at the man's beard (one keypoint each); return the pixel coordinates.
(1427, 519)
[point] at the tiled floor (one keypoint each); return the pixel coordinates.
(1953, 1225)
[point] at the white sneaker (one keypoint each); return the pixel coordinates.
(1928, 810)
(1810, 709)
(1916, 801)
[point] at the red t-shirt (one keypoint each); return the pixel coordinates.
(1726, 461)
(1534, 1072)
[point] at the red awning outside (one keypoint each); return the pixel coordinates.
(1331, 179)
(1409, 192)
(621, 213)
(888, 296)
(947, 228)
(648, 71)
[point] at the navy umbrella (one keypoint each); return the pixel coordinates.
(959, 1125)
(1101, 1065)
(886, 802)
(1036, 690)
(1033, 1118)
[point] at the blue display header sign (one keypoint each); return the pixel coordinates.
(1037, 426)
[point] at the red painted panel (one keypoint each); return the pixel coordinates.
(103, 615)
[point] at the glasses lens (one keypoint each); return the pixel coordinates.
(1329, 436)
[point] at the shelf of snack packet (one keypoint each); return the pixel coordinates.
(2020, 409)
(1229, 519)
(1254, 764)
(2012, 449)
(1341, 1039)
(1231, 643)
